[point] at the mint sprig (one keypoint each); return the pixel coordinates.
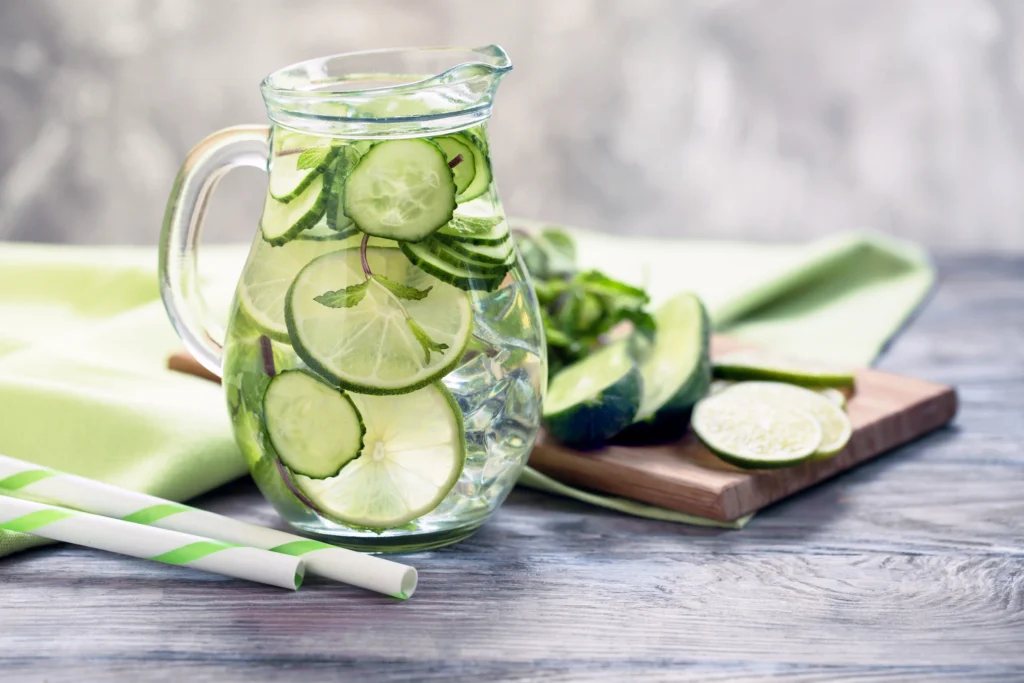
(314, 157)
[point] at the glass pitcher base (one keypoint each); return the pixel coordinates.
(370, 542)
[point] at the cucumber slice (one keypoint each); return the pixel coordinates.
(321, 233)
(269, 273)
(449, 255)
(499, 254)
(282, 222)
(475, 230)
(413, 454)
(464, 172)
(370, 346)
(462, 276)
(314, 428)
(745, 365)
(835, 425)
(594, 399)
(482, 169)
(752, 433)
(401, 190)
(347, 158)
(676, 368)
(288, 181)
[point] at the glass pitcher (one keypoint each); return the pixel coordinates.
(384, 362)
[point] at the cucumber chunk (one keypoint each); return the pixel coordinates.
(594, 399)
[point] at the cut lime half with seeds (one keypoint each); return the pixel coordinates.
(268, 275)
(835, 425)
(413, 452)
(755, 434)
(370, 346)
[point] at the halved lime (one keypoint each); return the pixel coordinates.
(753, 433)
(371, 347)
(835, 425)
(594, 399)
(269, 273)
(314, 428)
(837, 397)
(743, 365)
(413, 453)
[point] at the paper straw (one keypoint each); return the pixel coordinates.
(149, 543)
(28, 480)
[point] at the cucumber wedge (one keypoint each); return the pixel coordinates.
(592, 400)
(283, 221)
(500, 254)
(288, 181)
(475, 230)
(462, 276)
(482, 169)
(449, 255)
(314, 428)
(401, 190)
(454, 148)
(676, 369)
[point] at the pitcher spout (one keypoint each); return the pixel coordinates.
(387, 93)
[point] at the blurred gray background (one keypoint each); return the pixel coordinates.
(763, 119)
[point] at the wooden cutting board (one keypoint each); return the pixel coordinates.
(886, 410)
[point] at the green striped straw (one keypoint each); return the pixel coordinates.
(28, 480)
(149, 543)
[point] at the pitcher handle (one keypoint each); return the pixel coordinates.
(205, 165)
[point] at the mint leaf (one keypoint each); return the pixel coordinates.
(620, 294)
(424, 339)
(314, 157)
(402, 291)
(343, 298)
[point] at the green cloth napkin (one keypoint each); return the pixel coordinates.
(84, 341)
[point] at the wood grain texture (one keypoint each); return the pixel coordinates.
(906, 568)
(886, 410)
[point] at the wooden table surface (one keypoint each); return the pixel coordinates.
(908, 568)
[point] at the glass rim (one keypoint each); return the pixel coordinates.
(498, 65)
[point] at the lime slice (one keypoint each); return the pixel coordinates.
(835, 425)
(834, 395)
(743, 365)
(413, 453)
(753, 433)
(268, 273)
(314, 428)
(371, 346)
(594, 399)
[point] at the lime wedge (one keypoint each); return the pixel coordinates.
(594, 399)
(413, 453)
(835, 425)
(744, 365)
(268, 273)
(378, 343)
(753, 433)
